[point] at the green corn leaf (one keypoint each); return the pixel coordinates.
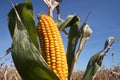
(70, 20)
(25, 11)
(27, 58)
(73, 36)
(72, 42)
(93, 66)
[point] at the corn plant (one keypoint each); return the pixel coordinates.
(49, 61)
(95, 61)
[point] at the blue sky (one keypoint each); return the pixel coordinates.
(104, 21)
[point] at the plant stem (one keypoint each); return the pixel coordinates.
(85, 34)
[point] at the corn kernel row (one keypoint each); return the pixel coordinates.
(51, 46)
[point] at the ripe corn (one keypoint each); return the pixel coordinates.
(51, 46)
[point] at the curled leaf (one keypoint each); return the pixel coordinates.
(85, 31)
(25, 11)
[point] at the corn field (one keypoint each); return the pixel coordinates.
(38, 51)
(104, 74)
(10, 73)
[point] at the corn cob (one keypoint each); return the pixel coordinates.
(51, 46)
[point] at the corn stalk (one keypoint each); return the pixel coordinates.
(25, 50)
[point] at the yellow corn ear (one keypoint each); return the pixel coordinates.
(51, 46)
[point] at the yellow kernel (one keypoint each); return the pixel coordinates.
(59, 69)
(54, 70)
(52, 57)
(58, 53)
(53, 67)
(58, 62)
(58, 59)
(53, 61)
